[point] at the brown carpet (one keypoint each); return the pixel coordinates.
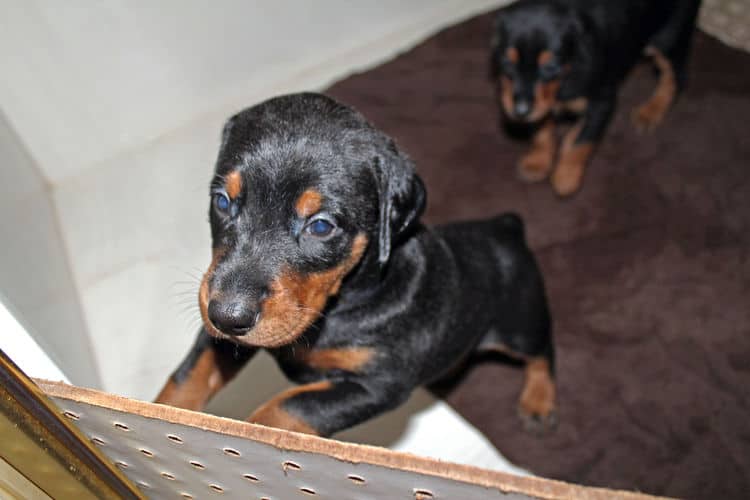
(647, 268)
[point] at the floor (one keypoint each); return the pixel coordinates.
(647, 268)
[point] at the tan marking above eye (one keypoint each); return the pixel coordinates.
(308, 203)
(512, 54)
(233, 184)
(544, 57)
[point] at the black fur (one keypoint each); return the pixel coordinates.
(594, 44)
(422, 298)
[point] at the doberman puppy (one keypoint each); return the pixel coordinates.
(320, 258)
(555, 57)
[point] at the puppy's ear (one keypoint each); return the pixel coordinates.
(402, 198)
(496, 43)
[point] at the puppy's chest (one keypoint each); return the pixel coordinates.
(306, 363)
(575, 106)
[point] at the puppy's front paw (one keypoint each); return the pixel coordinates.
(535, 165)
(567, 178)
(536, 406)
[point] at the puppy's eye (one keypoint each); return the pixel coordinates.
(221, 202)
(320, 228)
(549, 71)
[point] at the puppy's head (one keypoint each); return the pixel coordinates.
(306, 193)
(535, 45)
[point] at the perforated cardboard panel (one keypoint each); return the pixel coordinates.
(173, 453)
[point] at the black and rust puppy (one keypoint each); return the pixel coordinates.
(570, 56)
(320, 258)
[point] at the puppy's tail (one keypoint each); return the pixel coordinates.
(512, 225)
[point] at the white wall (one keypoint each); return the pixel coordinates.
(113, 115)
(35, 280)
(120, 104)
(86, 80)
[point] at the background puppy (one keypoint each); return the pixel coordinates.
(555, 56)
(319, 257)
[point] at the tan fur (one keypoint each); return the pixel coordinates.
(351, 359)
(651, 113)
(272, 414)
(536, 164)
(233, 184)
(538, 395)
(308, 203)
(506, 94)
(576, 106)
(513, 55)
(295, 300)
(544, 57)
(545, 99)
(204, 380)
(568, 175)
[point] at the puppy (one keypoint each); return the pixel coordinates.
(550, 57)
(320, 258)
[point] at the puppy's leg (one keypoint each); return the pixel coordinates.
(669, 50)
(536, 405)
(674, 40)
(524, 331)
(209, 366)
(578, 145)
(536, 164)
(649, 114)
(325, 407)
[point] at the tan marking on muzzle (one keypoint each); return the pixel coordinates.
(545, 98)
(296, 300)
(506, 95)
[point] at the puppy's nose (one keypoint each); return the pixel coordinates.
(232, 316)
(521, 108)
